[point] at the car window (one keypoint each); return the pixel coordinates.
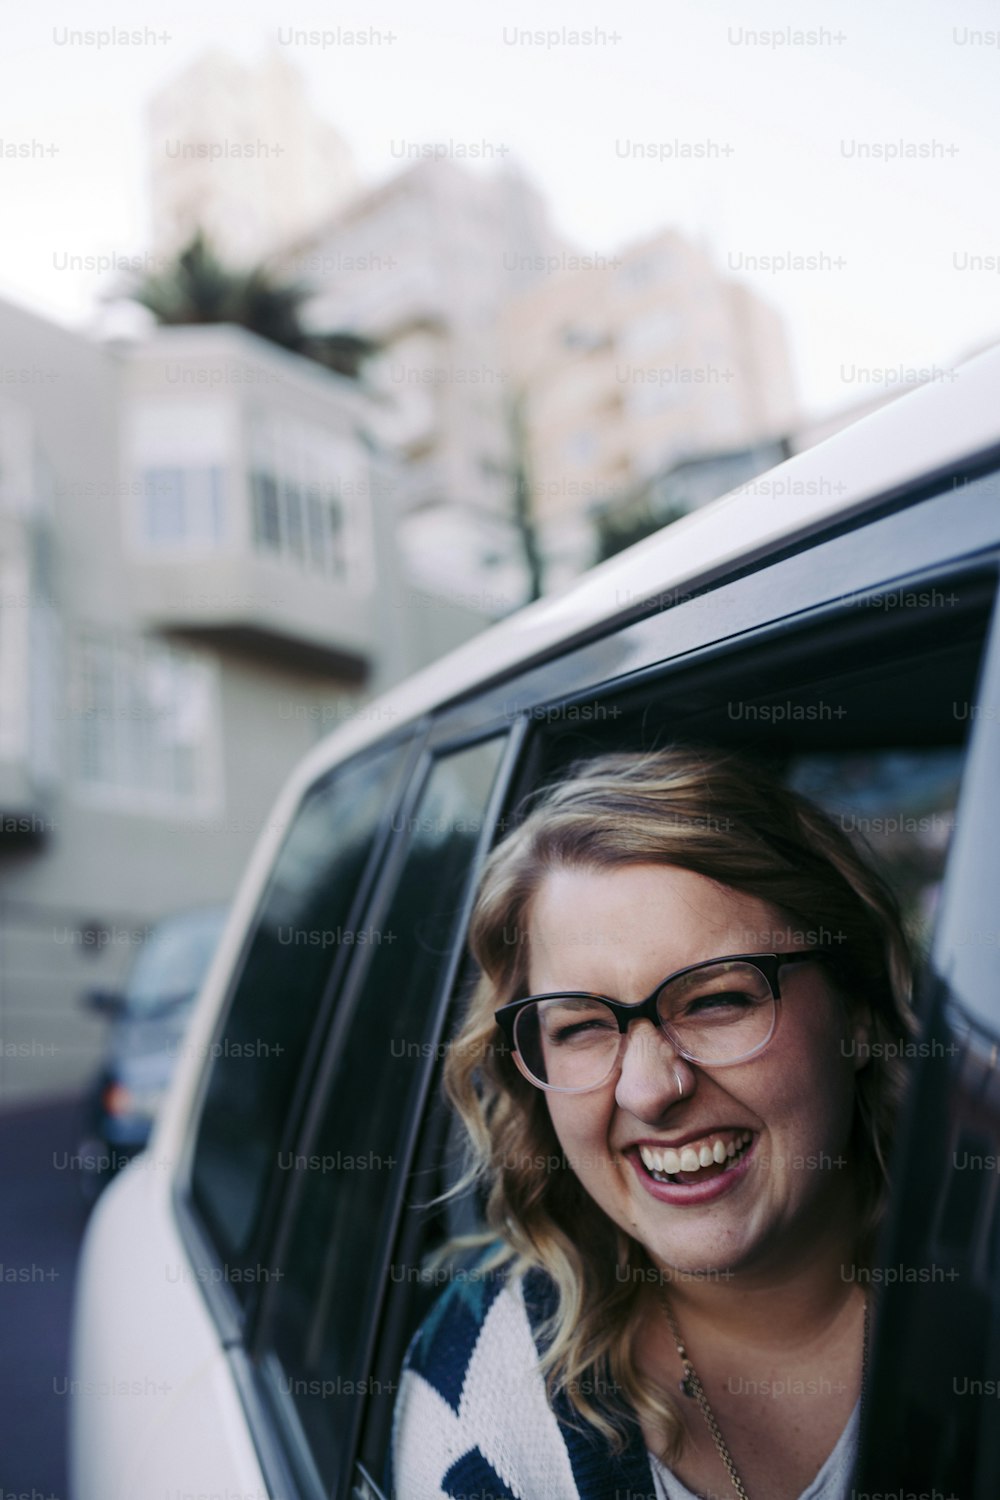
(316, 1322)
(839, 721)
(934, 1386)
(901, 805)
(303, 931)
(415, 1278)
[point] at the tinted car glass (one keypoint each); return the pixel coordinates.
(303, 929)
(932, 1423)
(901, 806)
(317, 1319)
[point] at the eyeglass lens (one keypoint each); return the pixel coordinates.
(717, 1014)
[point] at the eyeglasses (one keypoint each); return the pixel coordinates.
(716, 1013)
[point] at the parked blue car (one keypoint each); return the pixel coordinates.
(148, 1020)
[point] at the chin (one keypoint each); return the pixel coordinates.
(709, 1254)
(695, 1273)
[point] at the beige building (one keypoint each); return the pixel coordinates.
(631, 366)
(239, 153)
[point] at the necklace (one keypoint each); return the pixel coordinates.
(692, 1387)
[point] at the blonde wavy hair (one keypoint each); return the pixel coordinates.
(720, 816)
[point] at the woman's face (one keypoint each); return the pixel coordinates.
(618, 932)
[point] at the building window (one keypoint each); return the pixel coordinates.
(584, 340)
(266, 511)
(295, 522)
(13, 599)
(147, 722)
(299, 479)
(18, 459)
(316, 530)
(180, 450)
(44, 647)
(658, 330)
(650, 400)
(29, 664)
(325, 538)
(183, 508)
(334, 512)
(163, 507)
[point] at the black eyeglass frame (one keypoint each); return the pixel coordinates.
(625, 1013)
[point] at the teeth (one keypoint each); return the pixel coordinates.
(691, 1158)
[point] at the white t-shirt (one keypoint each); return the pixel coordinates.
(833, 1482)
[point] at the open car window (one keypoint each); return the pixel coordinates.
(863, 722)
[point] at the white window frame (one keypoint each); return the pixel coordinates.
(128, 666)
(310, 460)
(14, 635)
(193, 437)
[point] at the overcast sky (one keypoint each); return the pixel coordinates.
(792, 169)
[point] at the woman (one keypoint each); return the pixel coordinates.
(683, 1143)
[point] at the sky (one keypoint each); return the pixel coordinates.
(841, 158)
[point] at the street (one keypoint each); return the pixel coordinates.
(40, 1232)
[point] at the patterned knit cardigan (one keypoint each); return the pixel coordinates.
(472, 1420)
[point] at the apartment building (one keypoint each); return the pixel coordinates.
(239, 153)
(198, 579)
(631, 365)
(424, 265)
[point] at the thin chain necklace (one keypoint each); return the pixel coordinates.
(691, 1386)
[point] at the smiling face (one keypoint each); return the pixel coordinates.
(770, 1135)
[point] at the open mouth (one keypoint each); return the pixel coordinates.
(697, 1161)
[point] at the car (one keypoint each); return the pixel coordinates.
(248, 1286)
(148, 1019)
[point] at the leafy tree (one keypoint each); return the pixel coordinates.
(199, 288)
(618, 529)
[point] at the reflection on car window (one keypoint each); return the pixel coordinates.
(901, 804)
(303, 924)
(933, 1401)
(318, 1317)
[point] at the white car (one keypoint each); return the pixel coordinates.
(249, 1284)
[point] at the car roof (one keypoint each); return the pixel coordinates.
(954, 416)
